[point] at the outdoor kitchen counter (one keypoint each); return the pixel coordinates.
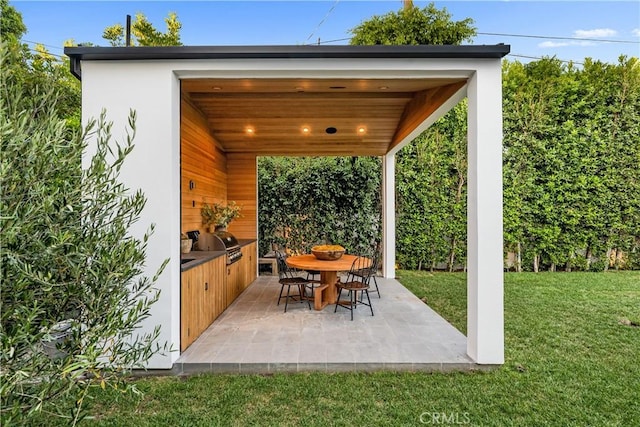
(201, 257)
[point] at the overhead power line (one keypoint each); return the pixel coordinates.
(322, 22)
(54, 55)
(331, 41)
(47, 45)
(560, 38)
(538, 57)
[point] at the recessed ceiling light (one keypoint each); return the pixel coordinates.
(306, 130)
(216, 88)
(331, 130)
(383, 87)
(249, 130)
(362, 130)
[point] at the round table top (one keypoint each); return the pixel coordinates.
(310, 262)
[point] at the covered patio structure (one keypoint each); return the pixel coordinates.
(302, 101)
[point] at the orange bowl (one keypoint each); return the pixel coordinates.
(328, 252)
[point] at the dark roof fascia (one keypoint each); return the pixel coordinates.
(137, 53)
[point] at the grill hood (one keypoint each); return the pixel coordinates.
(228, 240)
(221, 241)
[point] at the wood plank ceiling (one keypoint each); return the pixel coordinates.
(295, 116)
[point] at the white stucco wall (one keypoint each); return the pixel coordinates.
(153, 166)
(152, 89)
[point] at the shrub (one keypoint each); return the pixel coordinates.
(66, 256)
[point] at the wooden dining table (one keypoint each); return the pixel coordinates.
(327, 292)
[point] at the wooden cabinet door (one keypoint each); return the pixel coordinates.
(208, 289)
(250, 264)
(253, 268)
(191, 315)
(216, 294)
(233, 280)
(205, 295)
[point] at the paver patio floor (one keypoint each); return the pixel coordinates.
(254, 335)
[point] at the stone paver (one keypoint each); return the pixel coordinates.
(254, 335)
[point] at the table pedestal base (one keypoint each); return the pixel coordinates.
(329, 279)
(320, 297)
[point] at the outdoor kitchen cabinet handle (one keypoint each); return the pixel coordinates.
(206, 286)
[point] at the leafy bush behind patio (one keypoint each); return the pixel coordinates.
(66, 255)
(311, 200)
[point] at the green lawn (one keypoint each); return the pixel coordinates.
(572, 359)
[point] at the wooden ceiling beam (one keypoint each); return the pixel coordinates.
(423, 104)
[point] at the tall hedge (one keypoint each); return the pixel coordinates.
(571, 161)
(312, 200)
(431, 211)
(571, 164)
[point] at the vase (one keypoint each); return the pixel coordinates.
(185, 246)
(214, 228)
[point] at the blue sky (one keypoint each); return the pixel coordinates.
(300, 22)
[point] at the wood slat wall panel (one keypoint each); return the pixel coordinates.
(242, 188)
(202, 162)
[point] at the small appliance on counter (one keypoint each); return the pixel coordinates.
(205, 242)
(193, 236)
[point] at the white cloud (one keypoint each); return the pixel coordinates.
(549, 44)
(553, 44)
(636, 32)
(598, 32)
(585, 43)
(585, 34)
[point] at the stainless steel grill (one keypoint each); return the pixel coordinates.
(218, 241)
(225, 241)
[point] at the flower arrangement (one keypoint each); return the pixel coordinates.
(219, 215)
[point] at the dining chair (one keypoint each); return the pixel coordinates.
(372, 271)
(356, 281)
(288, 277)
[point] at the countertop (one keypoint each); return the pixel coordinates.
(201, 257)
